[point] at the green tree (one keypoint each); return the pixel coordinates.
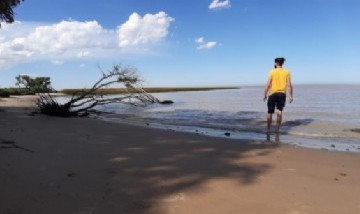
(6, 10)
(34, 85)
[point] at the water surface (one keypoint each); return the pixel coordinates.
(321, 116)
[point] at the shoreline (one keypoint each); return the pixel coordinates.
(335, 143)
(317, 143)
(283, 138)
(118, 91)
(84, 165)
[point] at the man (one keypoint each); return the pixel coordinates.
(279, 80)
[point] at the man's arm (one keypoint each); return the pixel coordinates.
(267, 88)
(290, 90)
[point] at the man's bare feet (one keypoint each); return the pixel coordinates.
(277, 129)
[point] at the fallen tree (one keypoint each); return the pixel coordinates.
(84, 102)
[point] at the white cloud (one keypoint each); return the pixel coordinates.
(204, 45)
(144, 30)
(200, 40)
(83, 54)
(24, 42)
(16, 29)
(61, 40)
(216, 4)
(207, 45)
(57, 62)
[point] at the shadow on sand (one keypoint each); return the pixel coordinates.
(124, 169)
(164, 167)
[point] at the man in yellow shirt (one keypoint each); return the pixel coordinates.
(279, 80)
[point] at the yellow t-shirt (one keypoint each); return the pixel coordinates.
(279, 78)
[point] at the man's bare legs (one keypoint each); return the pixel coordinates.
(269, 121)
(278, 121)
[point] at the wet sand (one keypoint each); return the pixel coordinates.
(81, 165)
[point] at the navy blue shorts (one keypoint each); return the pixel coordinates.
(277, 100)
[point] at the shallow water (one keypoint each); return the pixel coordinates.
(321, 116)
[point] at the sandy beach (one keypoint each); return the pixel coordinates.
(82, 166)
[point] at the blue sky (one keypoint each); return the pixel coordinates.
(183, 43)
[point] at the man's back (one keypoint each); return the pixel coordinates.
(279, 78)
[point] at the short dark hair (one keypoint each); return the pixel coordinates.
(280, 60)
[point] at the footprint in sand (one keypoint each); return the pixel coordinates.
(174, 198)
(297, 212)
(300, 209)
(343, 174)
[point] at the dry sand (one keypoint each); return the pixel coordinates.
(70, 165)
(19, 101)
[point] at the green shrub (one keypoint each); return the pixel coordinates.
(16, 91)
(4, 93)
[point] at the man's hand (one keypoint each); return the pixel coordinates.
(291, 99)
(265, 98)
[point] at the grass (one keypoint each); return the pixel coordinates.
(110, 91)
(6, 92)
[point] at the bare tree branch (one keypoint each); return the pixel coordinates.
(81, 104)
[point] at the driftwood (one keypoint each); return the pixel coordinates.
(81, 104)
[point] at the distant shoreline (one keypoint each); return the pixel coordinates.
(111, 91)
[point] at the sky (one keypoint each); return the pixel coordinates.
(183, 42)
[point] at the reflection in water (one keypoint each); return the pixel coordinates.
(276, 138)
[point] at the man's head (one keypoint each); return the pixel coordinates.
(279, 61)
